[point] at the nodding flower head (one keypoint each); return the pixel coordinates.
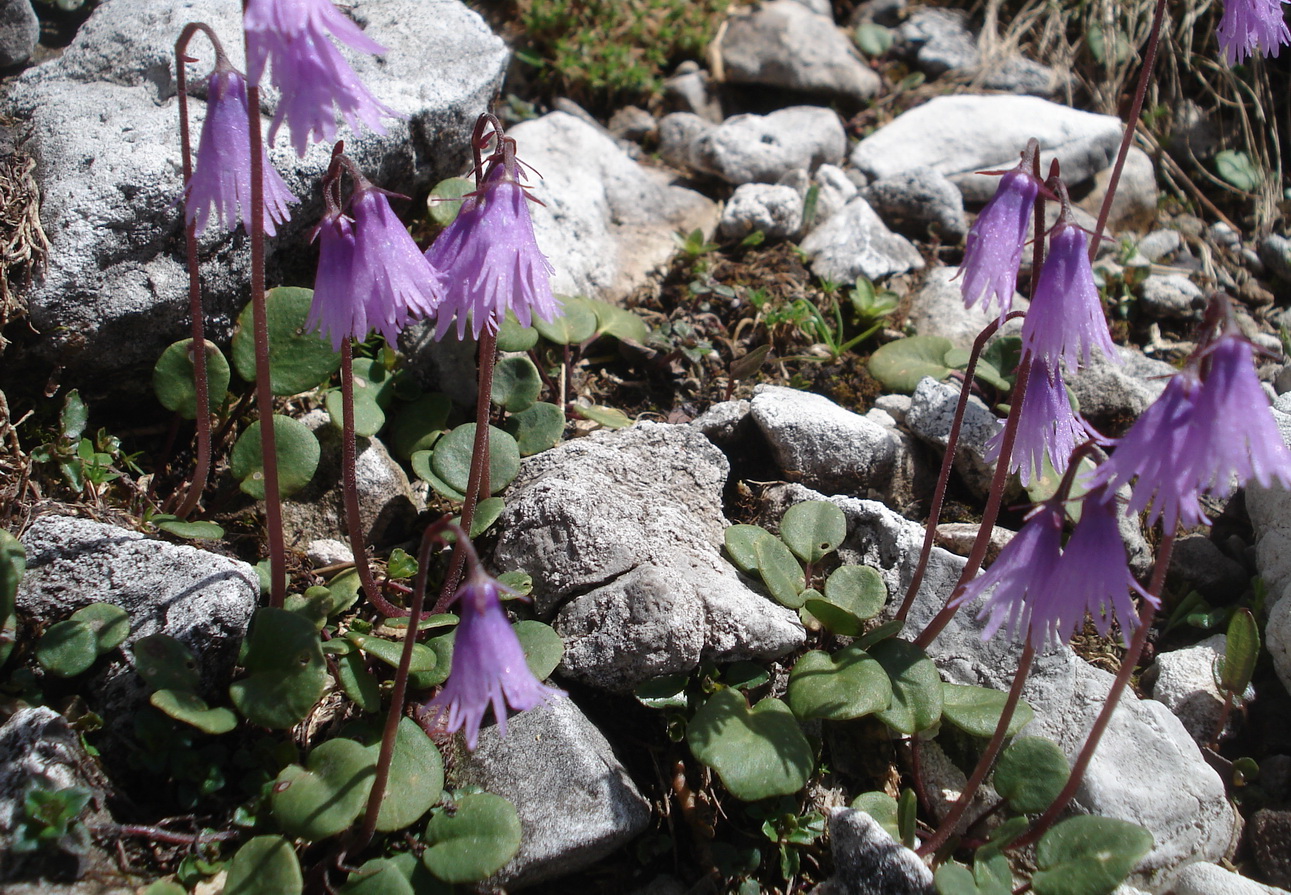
(222, 169)
(371, 274)
(1047, 426)
(315, 81)
(489, 668)
(993, 250)
(490, 258)
(1252, 26)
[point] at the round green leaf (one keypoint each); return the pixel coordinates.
(286, 670)
(609, 417)
(813, 529)
(297, 451)
(758, 752)
(882, 807)
(368, 415)
(543, 648)
(901, 364)
(1237, 169)
(745, 675)
(345, 590)
(741, 543)
(164, 663)
(299, 359)
(67, 648)
(417, 425)
(451, 460)
(265, 865)
(192, 531)
(192, 709)
(487, 512)
(954, 879)
(389, 652)
(916, 687)
(1031, 773)
(977, 710)
(1088, 856)
(576, 323)
(873, 39)
(853, 594)
(416, 778)
(359, 684)
(174, 381)
(324, 797)
(474, 841)
(848, 684)
(442, 647)
(780, 572)
(445, 200)
(514, 337)
(421, 467)
(516, 384)
(374, 378)
(110, 624)
(618, 322)
(380, 876)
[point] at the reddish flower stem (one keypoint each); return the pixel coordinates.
(957, 810)
(1128, 664)
(947, 463)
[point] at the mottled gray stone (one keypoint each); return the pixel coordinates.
(1270, 833)
(622, 534)
(101, 123)
(1275, 252)
(1160, 244)
(917, 202)
(868, 862)
(691, 89)
(725, 422)
(576, 802)
(960, 135)
(835, 190)
(678, 133)
(1197, 563)
(1185, 684)
(774, 209)
(942, 44)
(1171, 296)
(1109, 391)
(19, 31)
(854, 243)
(932, 410)
(1211, 879)
(937, 309)
(1134, 207)
(763, 148)
(784, 44)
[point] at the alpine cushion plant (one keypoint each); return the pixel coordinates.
(993, 250)
(489, 667)
(1252, 26)
(490, 258)
(314, 80)
(222, 170)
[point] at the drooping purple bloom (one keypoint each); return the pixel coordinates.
(491, 261)
(1245, 443)
(1065, 320)
(222, 168)
(489, 667)
(1093, 577)
(1019, 580)
(993, 250)
(1251, 26)
(314, 79)
(371, 274)
(1163, 449)
(1047, 426)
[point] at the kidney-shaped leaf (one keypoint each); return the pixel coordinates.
(1088, 856)
(848, 684)
(916, 686)
(473, 841)
(758, 752)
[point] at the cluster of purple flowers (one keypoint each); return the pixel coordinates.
(1252, 26)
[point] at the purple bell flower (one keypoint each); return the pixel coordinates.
(308, 70)
(371, 274)
(1047, 426)
(993, 250)
(491, 260)
(1251, 26)
(1019, 580)
(1093, 578)
(222, 168)
(489, 667)
(1065, 321)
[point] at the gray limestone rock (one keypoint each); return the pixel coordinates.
(763, 148)
(691, 89)
(1211, 879)
(868, 862)
(1171, 297)
(101, 123)
(937, 309)
(834, 190)
(19, 31)
(1275, 252)
(575, 800)
(1185, 684)
(774, 209)
(1277, 638)
(1109, 391)
(1270, 832)
(960, 135)
(855, 243)
(1160, 244)
(919, 201)
(1135, 205)
(1197, 563)
(932, 410)
(725, 423)
(622, 534)
(942, 43)
(827, 447)
(606, 222)
(784, 44)
(678, 134)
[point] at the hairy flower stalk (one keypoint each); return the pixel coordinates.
(314, 80)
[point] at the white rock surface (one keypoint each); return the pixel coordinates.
(607, 222)
(1211, 879)
(1107, 390)
(774, 209)
(764, 148)
(855, 243)
(1172, 296)
(1135, 205)
(867, 861)
(960, 135)
(622, 533)
(784, 44)
(19, 31)
(937, 309)
(1185, 684)
(919, 201)
(932, 410)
